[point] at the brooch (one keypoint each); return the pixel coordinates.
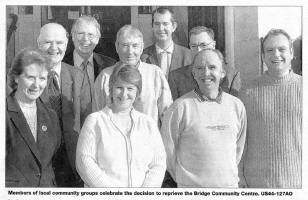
(44, 128)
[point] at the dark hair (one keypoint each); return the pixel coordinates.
(216, 51)
(275, 32)
(200, 29)
(24, 58)
(127, 73)
(163, 10)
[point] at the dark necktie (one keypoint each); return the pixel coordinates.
(54, 93)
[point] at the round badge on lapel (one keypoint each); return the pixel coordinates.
(44, 128)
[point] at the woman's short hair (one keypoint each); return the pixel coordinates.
(127, 73)
(24, 58)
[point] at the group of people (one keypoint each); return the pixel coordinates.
(164, 116)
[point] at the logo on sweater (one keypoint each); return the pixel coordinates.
(218, 127)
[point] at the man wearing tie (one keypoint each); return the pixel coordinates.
(164, 52)
(85, 35)
(68, 93)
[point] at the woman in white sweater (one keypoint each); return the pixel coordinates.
(119, 146)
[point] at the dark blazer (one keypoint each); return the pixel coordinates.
(181, 81)
(100, 61)
(76, 105)
(181, 56)
(29, 163)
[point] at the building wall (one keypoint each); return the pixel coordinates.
(241, 36)
(246, 42)
(241, 26)
(144, 23)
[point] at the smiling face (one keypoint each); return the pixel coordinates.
(208, 70)
(85, 38)
(163, 26)
(31, 83)
(123, 95)
(129, 48)
(52, 42)
(277, 55)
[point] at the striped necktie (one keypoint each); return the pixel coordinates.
(54, 94)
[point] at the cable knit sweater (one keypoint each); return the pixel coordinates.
(272, 156)
(204, 140)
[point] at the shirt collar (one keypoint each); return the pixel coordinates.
(204, 98)
(121, 63)
(78, 60)
(57, 69)
(168, 50)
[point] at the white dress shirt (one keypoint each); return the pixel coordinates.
(164, 57)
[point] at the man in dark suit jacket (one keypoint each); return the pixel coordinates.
(75, 100)
(164, 25)
(85, 35)
(28, 162)
(181, 80)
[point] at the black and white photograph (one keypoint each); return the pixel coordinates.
(148, 100)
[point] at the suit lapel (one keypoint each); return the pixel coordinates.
(45, 139)
(97, 68)
(174, 58)
(66, 81)
(69, 58)
(22, 126)
(153, 55)
(66, 88)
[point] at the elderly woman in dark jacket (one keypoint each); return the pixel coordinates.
(32, 128)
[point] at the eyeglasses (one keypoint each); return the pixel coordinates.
(90, 36)
(202, 46)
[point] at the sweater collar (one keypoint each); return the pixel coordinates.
(204, 98)
(278, 80)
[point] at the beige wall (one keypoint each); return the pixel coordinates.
(246, 42)
(241, 26)
(144, 23)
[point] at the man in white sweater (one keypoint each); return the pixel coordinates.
(204, 131)
(155, 97)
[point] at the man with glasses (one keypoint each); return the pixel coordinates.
(85, 36)
(181, 80)
(155, 96)
(164, 52)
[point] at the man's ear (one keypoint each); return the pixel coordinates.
(214, 44)
(223, 73)
(38, 41)
(174, 25)
(116, 46)
(193, 72)
(262, 56)
(292, 53)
